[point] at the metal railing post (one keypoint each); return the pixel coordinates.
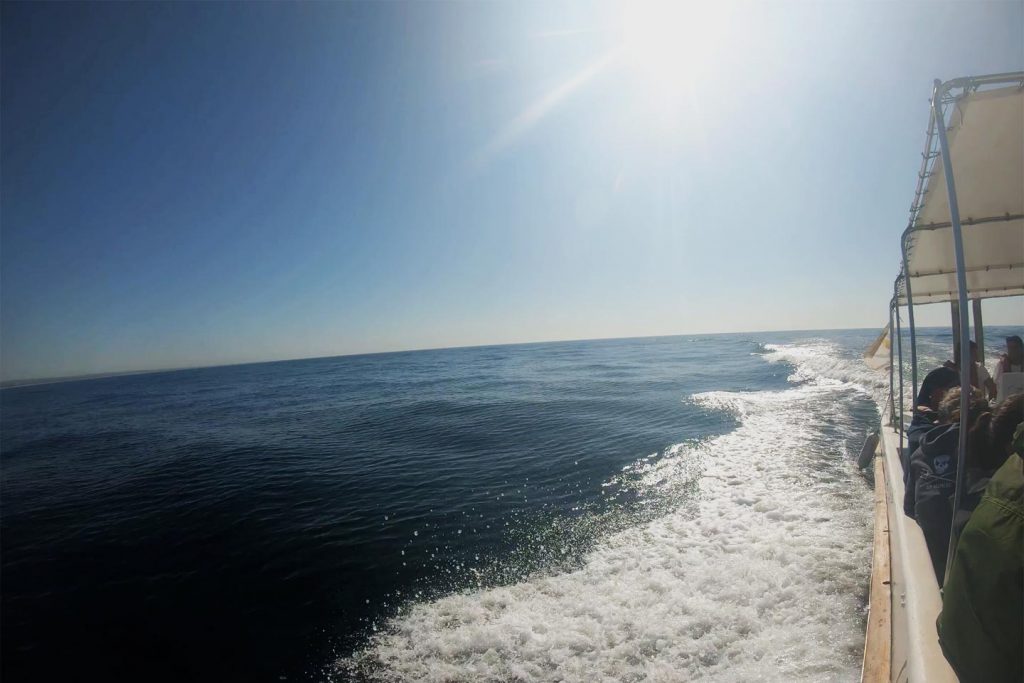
(961, 286)
(892, 398)
(979, 330)
(910, 319)
(899, 350)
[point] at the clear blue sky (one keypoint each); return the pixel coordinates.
(194, 184)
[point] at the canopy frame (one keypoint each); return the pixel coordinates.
(946, 95)
(936, 155)
(965, 329)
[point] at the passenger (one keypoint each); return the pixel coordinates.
(1005, 418)
(931, 480)
(934, 387)
(980, 379)
(1011, 361)
(981, 626)
(985, 459)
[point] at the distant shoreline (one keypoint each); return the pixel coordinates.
(38, 381)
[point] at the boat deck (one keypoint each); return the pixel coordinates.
(901, 642)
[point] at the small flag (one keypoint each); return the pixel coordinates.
(877, 355)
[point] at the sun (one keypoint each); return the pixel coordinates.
(663, 57)
(672, 46)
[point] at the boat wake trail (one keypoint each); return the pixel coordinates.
(821, 362)
(760, 575)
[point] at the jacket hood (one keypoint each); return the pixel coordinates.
(941, 439)
(939, 447)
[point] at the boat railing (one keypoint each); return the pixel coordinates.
(994, 217)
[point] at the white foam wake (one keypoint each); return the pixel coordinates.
(821, 361)
(761, 577)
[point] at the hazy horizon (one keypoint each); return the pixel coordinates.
(31, 381)
(195, 185)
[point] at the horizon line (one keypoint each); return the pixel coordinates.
(39, 381)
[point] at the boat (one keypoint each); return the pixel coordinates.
(964, 242)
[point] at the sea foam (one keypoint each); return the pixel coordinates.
(761, 576)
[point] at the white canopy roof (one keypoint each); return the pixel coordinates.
(986, 143)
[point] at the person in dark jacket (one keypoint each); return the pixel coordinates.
(985, 459)
(931, 480)
(933, 389)
(980, 379)
(981, 626)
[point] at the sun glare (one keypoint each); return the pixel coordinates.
(665, 55)
(672, 46)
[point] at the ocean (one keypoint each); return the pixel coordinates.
(665, 508)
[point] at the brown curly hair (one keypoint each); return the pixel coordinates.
(979, 419)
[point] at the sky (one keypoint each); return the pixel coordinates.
(206, 183)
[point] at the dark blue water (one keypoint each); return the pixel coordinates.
(262, 522)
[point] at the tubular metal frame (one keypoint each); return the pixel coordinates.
(946, 93)
(936, 146)
(892, 404)
(936, 149)
(899, 348)
(910, 320)
(935, 143)
(965, 325)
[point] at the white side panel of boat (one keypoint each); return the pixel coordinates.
(916, 603)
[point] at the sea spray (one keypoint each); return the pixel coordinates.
(762, 577)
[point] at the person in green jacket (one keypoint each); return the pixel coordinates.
(981, 626)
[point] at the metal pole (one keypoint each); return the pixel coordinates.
(961, 286)
(954, 316)
(979, 331)
(892, 400)
(899, 350)
(910, 319)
